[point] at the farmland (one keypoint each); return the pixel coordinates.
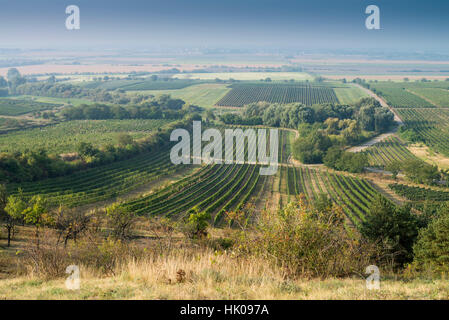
(101, 183)
(349, 95)
(242, 94)
(438, 96)
(387, 151)
(399, 97)
(171, 84)
(430, 125)
(353, 194)
(203, 95)
(66, 136)
(419, 193)
(15, 107)
(247, 76)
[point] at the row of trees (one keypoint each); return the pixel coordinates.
(367, 112)
(163, 107)
(417, 171)
(15, 210)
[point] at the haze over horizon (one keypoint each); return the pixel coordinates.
(322, 24)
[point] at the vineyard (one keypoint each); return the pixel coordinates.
(354, 195)
(15, 107)
(430, 125)
(438, 96)
(66, 136)
(214, 189)
(101, 183)
(387, 151)
(242, 94)
(399, 97)
(419, 194)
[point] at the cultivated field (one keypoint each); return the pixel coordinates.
(203, 95)
(66, 136)
(242, 94)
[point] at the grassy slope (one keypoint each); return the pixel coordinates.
(203, 95)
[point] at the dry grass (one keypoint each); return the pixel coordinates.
(211, 276)
(423, 152)
(190, 270)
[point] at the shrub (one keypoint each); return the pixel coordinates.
(306, 242)
(195, 226)
(394, 228)
(432, 247)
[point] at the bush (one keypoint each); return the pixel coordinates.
(432, 247)
(195, 227)
(394, 228)
(304, 241)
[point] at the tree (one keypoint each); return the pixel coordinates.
(12, 74)
(124, 139)
(11, 211)
(120, 220)
(3, 82)
(394, 228)
(37, 214)
(394, 167)
(70, 223)
(86, 149)
(432, 247)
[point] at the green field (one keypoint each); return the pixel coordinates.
(350, 95)
(15, 107)
(203, 95)
(65, 137)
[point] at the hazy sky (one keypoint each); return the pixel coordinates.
(313, 24)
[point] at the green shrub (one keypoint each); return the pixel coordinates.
(432, 247)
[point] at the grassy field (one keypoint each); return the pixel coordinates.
(203, 95)
(65, 137)
(349, 95)
(298, 76)
(212, 276)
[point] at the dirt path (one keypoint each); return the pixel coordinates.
(372, 142)
(382, 102)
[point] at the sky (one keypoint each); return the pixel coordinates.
(313, 24)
